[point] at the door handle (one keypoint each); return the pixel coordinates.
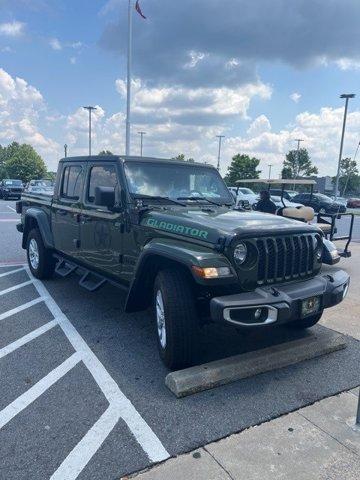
(85, 219)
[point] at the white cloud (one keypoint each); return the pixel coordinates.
(20, 108)
(196, 106)
(76, 45)
(6, 49)
(348, 64)
(73, 60)
(260, 125)
(12, 29)
(55, 44)
(195, 58)
(295, 97)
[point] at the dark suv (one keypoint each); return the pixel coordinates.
(11, 188)
(320, 203)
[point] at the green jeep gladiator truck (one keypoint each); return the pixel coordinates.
(167, 233)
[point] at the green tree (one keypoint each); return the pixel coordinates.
(23, 162)
(242, 167)
(292, 168)
(182, 158)
(105, 153)
(349, 181)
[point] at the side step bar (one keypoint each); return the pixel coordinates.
(89, 280)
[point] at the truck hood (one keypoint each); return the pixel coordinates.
(208, 224)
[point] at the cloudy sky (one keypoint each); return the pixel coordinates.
(260, 72)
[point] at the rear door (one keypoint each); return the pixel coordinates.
(66, 208)
(101, 230)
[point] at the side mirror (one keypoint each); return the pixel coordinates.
(105, 197)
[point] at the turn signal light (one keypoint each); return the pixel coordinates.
(211, 272)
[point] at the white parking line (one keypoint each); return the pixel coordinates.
(123, 408)
(11, 347)
(18, 405)
(9, 219)
(13, 311)
(15, 287)
(120, 406)
(73, 465)
(11, 264)
(11, 271)
(11, 208)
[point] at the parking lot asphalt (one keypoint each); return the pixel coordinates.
(83, 393)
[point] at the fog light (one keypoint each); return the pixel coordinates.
(211, 272)
(258, 313)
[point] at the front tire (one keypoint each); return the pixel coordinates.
(308, 322)
(176, 320)
(40, 259)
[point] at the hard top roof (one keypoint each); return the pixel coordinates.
(124, 158)
(277, 181)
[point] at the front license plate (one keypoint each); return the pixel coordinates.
(309, 306)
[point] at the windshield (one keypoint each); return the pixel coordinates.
(17, 183)
(176, 181)
(246, 191)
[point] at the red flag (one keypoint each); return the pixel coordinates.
(138, 9)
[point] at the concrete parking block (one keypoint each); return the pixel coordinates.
(198, 465)
(336, 416)
(288, 447)
(213, 374)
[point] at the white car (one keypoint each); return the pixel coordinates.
(246, 194)
(278, 202)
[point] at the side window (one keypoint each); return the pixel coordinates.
(71, 182)
(101, 176)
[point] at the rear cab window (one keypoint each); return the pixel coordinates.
(71, 183)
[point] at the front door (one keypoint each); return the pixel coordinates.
(101, 230)
(66, 209)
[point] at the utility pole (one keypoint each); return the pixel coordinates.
(220, 137)
(270, 167)
(90, 110)
(346, 96)
(128, 84)
(141, 142)
(65, 150)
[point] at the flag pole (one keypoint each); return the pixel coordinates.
(128, 89)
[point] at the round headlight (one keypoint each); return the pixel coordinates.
(240, 253)
(318, 248)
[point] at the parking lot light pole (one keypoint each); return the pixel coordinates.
(90, 110)
(346, 96)
(270, 167)
(220, 137)
(141, 142)
(298, 140)
(65, 150)
(128, 80)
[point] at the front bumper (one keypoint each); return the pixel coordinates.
(282, 303)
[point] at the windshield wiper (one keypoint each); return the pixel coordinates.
(157, 197)
(204, 198)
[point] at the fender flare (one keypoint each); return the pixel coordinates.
(162, 253)
(42, 222)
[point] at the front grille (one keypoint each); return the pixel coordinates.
(285, 258)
